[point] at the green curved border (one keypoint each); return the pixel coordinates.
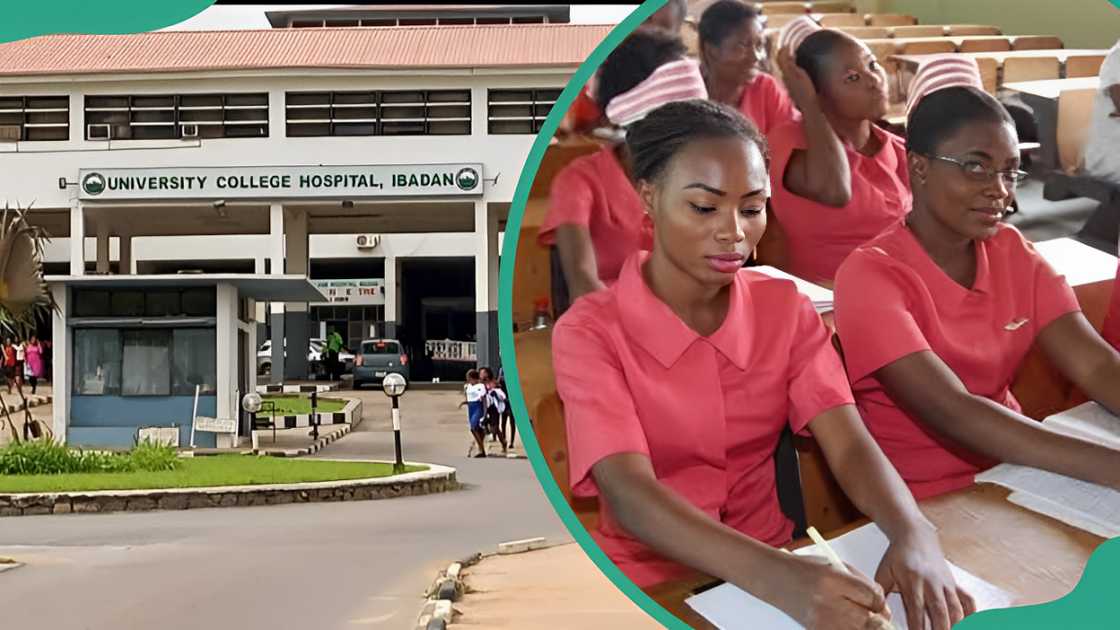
(505, 318)
(1090, 597)
(30, 18)
(1091, 605)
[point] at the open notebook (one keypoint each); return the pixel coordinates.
(730, 608)
(820, 296)
(1078, 503)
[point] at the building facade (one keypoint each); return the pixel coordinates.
(378, 162)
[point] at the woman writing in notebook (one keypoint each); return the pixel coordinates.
(937, 314)
(839, 180)
(732, 48)
(678, 379)
(595, 219)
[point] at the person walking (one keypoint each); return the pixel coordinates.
(334, 346)
(9, 362)
(34, 357)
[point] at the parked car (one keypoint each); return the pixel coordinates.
(376, 359)
(314, 358)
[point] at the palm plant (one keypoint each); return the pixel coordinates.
(24, 298)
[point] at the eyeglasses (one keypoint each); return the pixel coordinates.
(977, 172)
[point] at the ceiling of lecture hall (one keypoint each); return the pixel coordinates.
(233, 16)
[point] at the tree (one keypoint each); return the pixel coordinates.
(24, 298)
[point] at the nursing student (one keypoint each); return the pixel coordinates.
(585, 114)
(937, 314)
(838, 179)
(732, 47)
(678, 379)
(594, 218)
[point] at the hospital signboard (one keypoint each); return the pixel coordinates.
(282, 182)
(370, 291)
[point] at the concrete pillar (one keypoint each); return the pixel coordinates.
(102, 249)
(486, 284)
(297, 326)
(124, 267)
(60, 362)
(276, 309)
(77, 239)
(226, 368)
(392, 298)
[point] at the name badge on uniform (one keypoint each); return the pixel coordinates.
(1016, 324)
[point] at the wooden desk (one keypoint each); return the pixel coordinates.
(913, 62)
(980, 532)
(907, 65)
(1052, 88)
(1042, 97)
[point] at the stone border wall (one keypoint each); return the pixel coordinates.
(436, 479)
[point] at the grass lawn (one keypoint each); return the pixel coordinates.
(197, 472)
(296, 404)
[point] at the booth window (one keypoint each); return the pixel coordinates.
(147, 363)
(144, 362)
(195, 358)
(97, 367)
(519, 111)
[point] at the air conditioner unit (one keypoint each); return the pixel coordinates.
(189, 130)
(97, 132)
(368, 241)
(10, 133)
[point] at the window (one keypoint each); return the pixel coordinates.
(149, 117)
(381, 347)
(35, 117)
(97, 367)
(199, 302)
(378, 113)
(519, 111)
(145, 362)
(194, 359)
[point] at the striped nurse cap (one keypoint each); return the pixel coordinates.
(796, 31)
(941, 73)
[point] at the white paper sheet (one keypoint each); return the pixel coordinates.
(729, 608)
(1089, 421)
(818, 295)
(1079, 503)
(1078, 262)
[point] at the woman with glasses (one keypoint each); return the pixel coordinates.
(937, 314)
(732, 53)
(838, 179)
(678, 379)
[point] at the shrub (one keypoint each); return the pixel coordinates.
(45, 457)
(152, 457)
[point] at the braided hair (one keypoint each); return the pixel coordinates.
(654, 140)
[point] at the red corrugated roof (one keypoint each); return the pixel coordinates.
(391, 47)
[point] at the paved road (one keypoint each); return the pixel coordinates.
(337, 565)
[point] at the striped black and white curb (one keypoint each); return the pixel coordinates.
(449, 586)
(296, 389)
(335, 432)
(351, 414)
